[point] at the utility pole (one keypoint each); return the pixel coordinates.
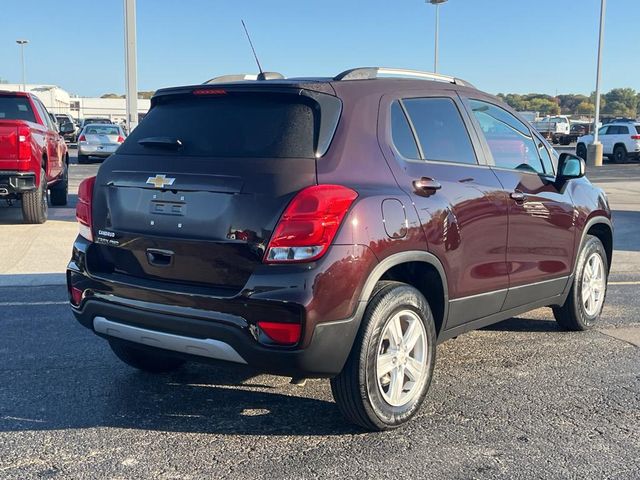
(131, 68)
(22, 43)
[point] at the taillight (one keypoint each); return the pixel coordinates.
(309, 224)
(120, 139)
(209, 91)
(76, 295)
(83, 207)
(82, 138)
(24, 143)
(635, 137)
(282, 333)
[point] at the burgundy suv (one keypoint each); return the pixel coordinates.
(333, 227)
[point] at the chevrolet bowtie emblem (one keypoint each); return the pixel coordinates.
(160, 181)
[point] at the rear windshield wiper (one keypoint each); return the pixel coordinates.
(161, 142)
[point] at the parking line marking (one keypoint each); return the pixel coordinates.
(624, 283)
(24, 304)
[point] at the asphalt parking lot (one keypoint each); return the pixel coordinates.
(520, 399)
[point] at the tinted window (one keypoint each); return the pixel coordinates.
(231, 125)
(618, 130)
(546, 158)
(401, 133)
(638, 128)
(440, 130)
(16, 108)
(603, 131)
(508, 138)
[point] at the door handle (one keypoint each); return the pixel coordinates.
(159, 258)
(518, 196)
(426, 184)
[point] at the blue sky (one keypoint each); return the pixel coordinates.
(516, 46)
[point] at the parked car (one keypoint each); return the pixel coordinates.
(99, 140)
(333, 228)
(33, 156)
(556, 129)
(620, 141)
(63, 118)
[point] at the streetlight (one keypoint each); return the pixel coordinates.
(435, 54)
(131, 66)
(594, 152)
(22, 43)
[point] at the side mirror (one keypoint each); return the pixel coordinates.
(67, 128)
(570, 166)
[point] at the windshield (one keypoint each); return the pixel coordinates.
(262, 124)
(16, 108)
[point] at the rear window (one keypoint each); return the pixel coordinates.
(16, 108)
(101, 130)
(231, 125)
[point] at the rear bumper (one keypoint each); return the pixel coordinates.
(12, 182)
(204, 326)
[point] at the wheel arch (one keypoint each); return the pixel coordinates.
(602, 228)
(421, 270)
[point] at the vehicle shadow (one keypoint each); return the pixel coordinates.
(12, 215)
(519, 324)
(184, 401)
(627, 230)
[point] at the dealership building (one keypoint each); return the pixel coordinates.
(58, 100)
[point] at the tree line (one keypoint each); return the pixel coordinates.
(619, 102)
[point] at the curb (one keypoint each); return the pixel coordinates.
(32, 279)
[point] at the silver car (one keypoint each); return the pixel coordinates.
(99, 140)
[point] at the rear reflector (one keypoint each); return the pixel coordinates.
(309, 224)
(209, 91)
(281, 333)
(83, 207)
(76, 295)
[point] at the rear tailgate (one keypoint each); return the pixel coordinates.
(203, 212)
(15, 115)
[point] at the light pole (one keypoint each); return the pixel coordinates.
(435, 53)
(131, 68)
(22, 43)
(594, 152)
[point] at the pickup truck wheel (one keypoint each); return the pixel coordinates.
(389, 369)
(35, 207)
(59, 192)
(584, 304)
(619, 154)
(581, 151)
(145, 359)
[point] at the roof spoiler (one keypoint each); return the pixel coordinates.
(245, 76)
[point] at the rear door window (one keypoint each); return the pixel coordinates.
(440, 130)
(510, 141)
(16, 108)
(403, 138)
(231, 125)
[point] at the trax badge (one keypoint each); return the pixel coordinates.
(160, 181)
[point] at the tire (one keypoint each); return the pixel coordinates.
(146, 359)
(362, 397)
(35, 207)
(82, 159)
(574, 314)
(619, 154)
(581, 151)
(58, 194)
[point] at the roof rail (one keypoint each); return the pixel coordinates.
(241, 77)
(366, 73)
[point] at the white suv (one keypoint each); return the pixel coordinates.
(620, 141)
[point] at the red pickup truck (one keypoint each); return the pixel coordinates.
(34, 159)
